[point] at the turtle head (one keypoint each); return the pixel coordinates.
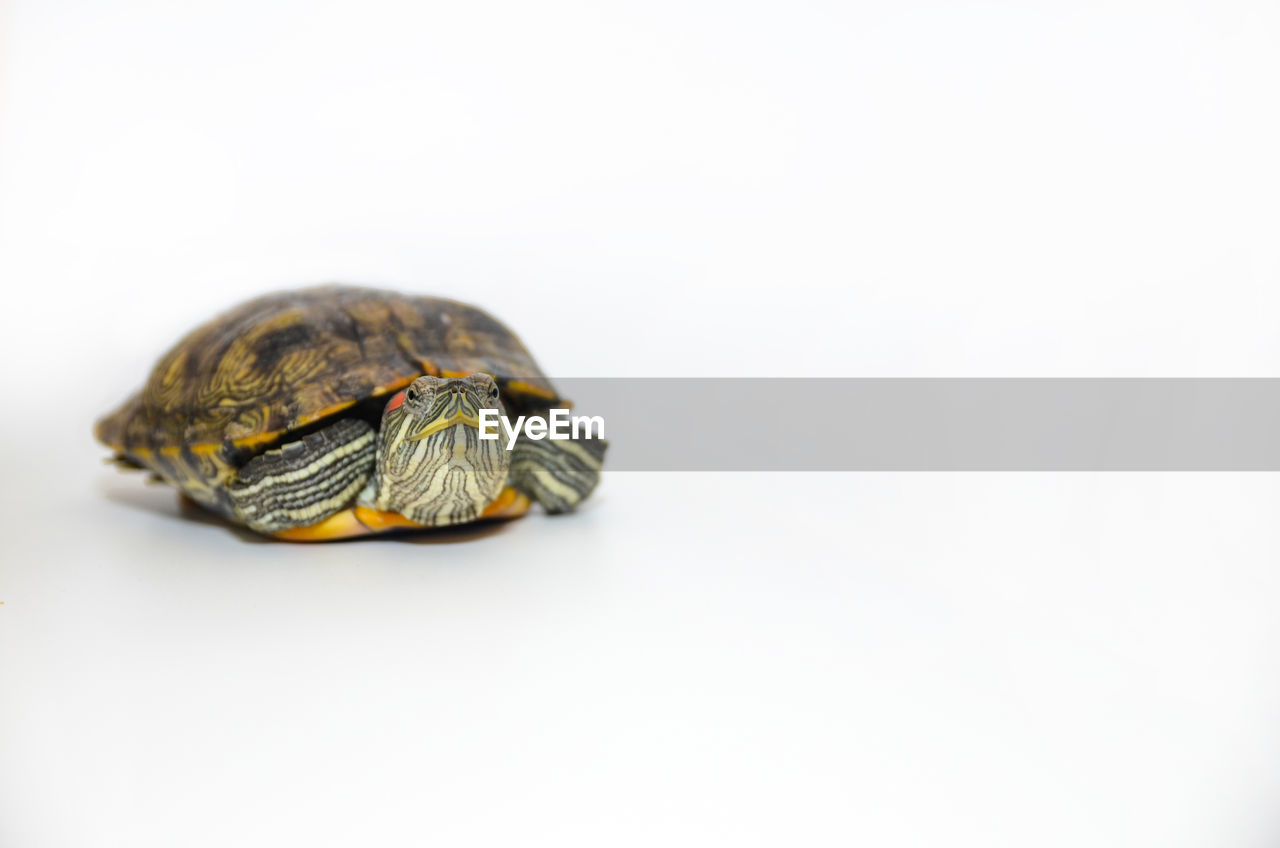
(433, 468)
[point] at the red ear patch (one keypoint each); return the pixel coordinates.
(395, 401)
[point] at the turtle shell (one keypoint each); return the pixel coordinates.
(286, 361)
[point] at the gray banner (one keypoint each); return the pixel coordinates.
(806, 424)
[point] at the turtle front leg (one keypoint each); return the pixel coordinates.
(305, 482)
(557, 473)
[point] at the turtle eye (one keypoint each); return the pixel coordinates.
(413, 395)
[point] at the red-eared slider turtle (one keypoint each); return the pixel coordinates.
(337, 411)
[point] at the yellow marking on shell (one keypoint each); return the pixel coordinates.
(537, 391)
(256, 439)
(341, 525)
(457, 337)
(164, 389)
(508, 504)
(304, 420)
(173, 374)
(392, 387)
(381, 520)
(406, 344)
(348, 524)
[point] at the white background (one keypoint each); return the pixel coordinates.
(649, 189)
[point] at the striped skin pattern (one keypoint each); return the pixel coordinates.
(450, 475)
(557, 473)
(304, 482)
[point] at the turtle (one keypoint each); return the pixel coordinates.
(340, 411)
